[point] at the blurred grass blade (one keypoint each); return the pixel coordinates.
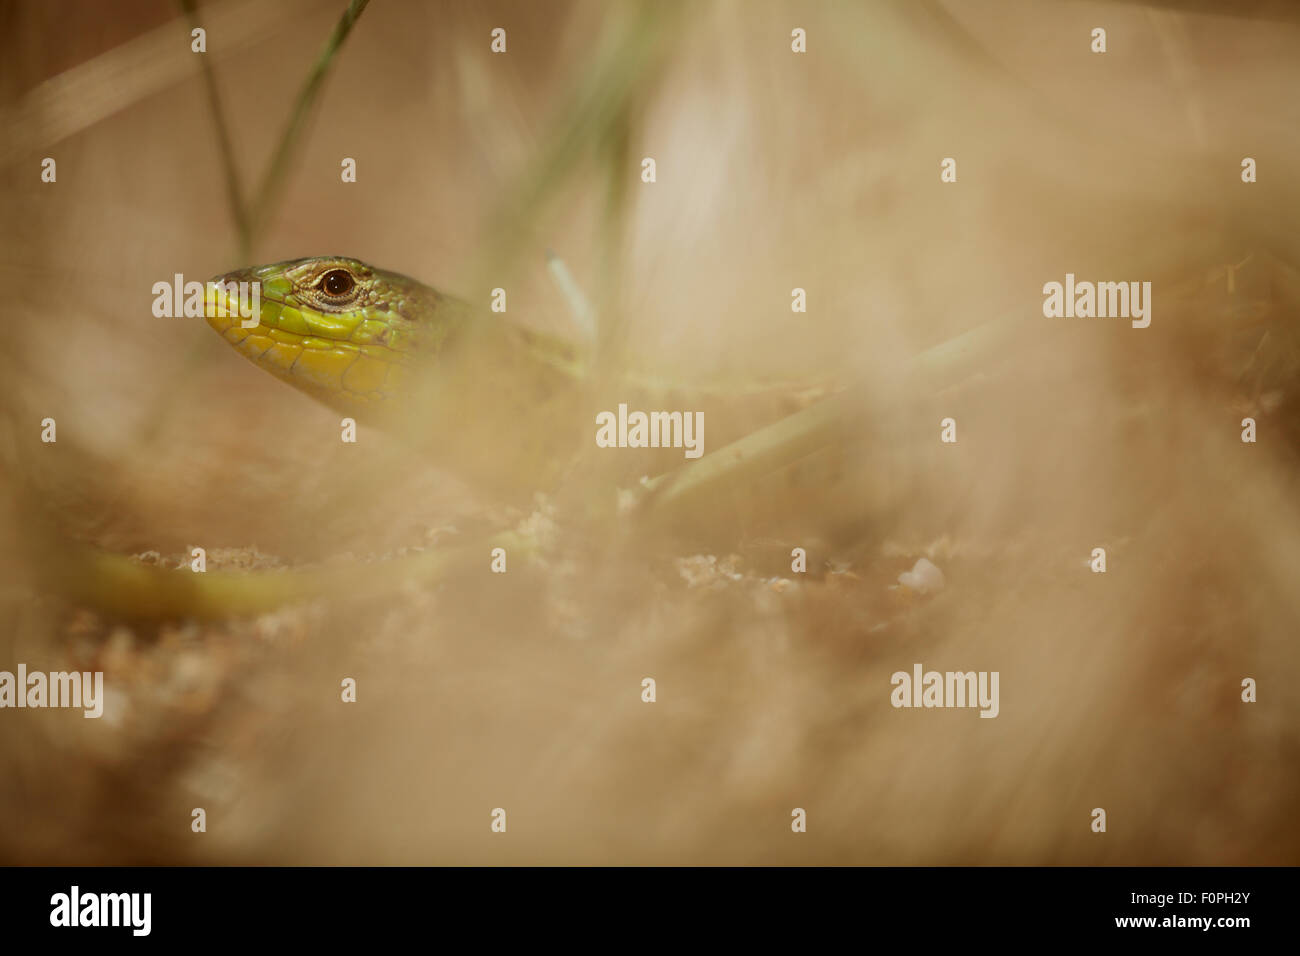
(269, 192)
(89, 92)
(234, 192)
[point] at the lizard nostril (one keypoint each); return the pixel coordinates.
(248, 276)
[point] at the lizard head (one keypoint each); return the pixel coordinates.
(334, 327)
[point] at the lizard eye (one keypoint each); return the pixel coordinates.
(336, 282)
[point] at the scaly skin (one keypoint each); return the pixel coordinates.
(354, 350)
(482, 393)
